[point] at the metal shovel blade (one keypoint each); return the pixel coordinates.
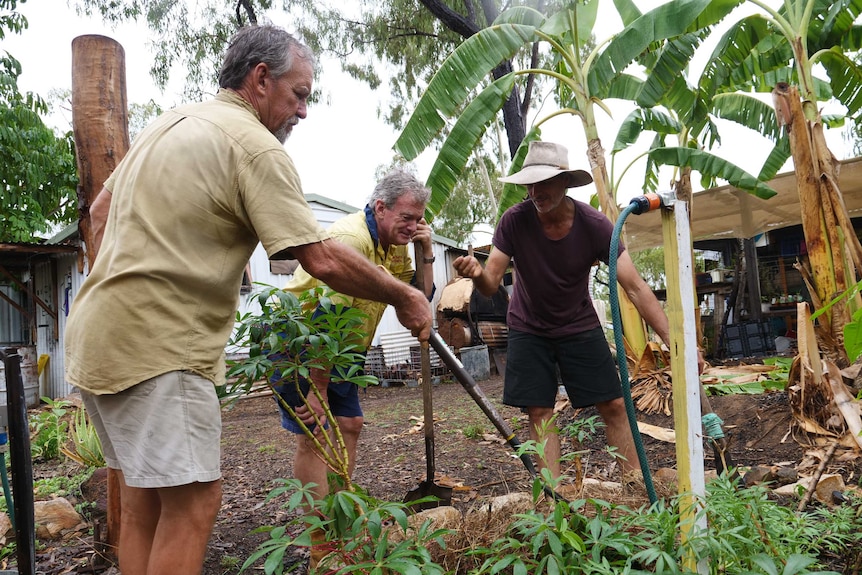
(428, 494)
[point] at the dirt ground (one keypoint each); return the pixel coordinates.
(256, 451)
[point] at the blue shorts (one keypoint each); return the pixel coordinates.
(586, 367)
(342, 397)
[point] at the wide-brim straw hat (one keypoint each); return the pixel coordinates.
(544, 161)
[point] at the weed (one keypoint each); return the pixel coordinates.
(48, 430)
(229, 563)
(360, 529)
(583, 429)
(61, 485)
(473, 432)
(266, 449)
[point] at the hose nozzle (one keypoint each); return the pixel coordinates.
(652, 201)
(645, 203)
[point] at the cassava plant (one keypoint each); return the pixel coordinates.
(286, 340)
(374, 536)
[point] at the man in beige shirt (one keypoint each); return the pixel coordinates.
(176, 223)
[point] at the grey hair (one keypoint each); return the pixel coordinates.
(397, 183)
(253, 45)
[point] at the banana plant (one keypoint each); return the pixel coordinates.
(459, 92)
(780, 48)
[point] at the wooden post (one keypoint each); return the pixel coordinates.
(99, 120)
(101, 129)
(684, 371)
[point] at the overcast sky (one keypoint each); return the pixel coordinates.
(342, 142)
(337, 148)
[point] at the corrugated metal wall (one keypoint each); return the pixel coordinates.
(52, 382)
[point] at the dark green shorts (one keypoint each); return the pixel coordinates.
(535, 367)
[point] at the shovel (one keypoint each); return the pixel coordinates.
(434, 495)
(467, 381)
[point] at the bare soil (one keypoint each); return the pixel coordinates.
(256, 451)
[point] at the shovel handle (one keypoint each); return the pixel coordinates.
(425, 361)
(478, 396)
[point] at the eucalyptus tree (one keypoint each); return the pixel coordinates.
(401, 42)
(785, 49)
(37, 167)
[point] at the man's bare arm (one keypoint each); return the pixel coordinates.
(645, 301)
(487, 280)
(345, 270)
(99, 217)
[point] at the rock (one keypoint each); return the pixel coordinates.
(759, 474)
(791, 489)
(55, 517)
(510, 504)
(666, 475)
(444, 517)
(786, 476)
(825, 487)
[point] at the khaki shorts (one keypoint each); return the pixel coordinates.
(163, 432)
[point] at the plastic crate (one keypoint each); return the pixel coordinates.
(748, 339)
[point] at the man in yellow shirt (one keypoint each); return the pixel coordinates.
(392, 219)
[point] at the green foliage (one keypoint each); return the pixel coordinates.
(583, 428)
(292, 335)
(758, 535)
(86, 446)
(745, 533)
(48, 430)
(286, 340)
(853, 329)
(473, 432)
(38, 173)
(61, 485)
(853, 336)
(650, 265)
(359, 531)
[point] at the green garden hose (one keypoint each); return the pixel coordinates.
(638, 205)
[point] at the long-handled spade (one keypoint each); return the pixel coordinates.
(487, 408)
(428, 490)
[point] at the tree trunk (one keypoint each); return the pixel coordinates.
(99, 120)
(832, 259)
(633, 325)
(101, 130)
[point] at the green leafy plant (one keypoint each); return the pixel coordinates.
(372, 536)
(86, 446)
(583, 428)
(286, 340)
(473, 431)
(48, 429)
(746, 533)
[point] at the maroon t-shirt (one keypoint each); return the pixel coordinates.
(551, 293)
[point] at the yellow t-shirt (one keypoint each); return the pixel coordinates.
(354, 231)
(191, 199)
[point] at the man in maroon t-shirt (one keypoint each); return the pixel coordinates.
(554, 240)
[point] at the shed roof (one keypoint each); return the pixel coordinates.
(728, 212)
